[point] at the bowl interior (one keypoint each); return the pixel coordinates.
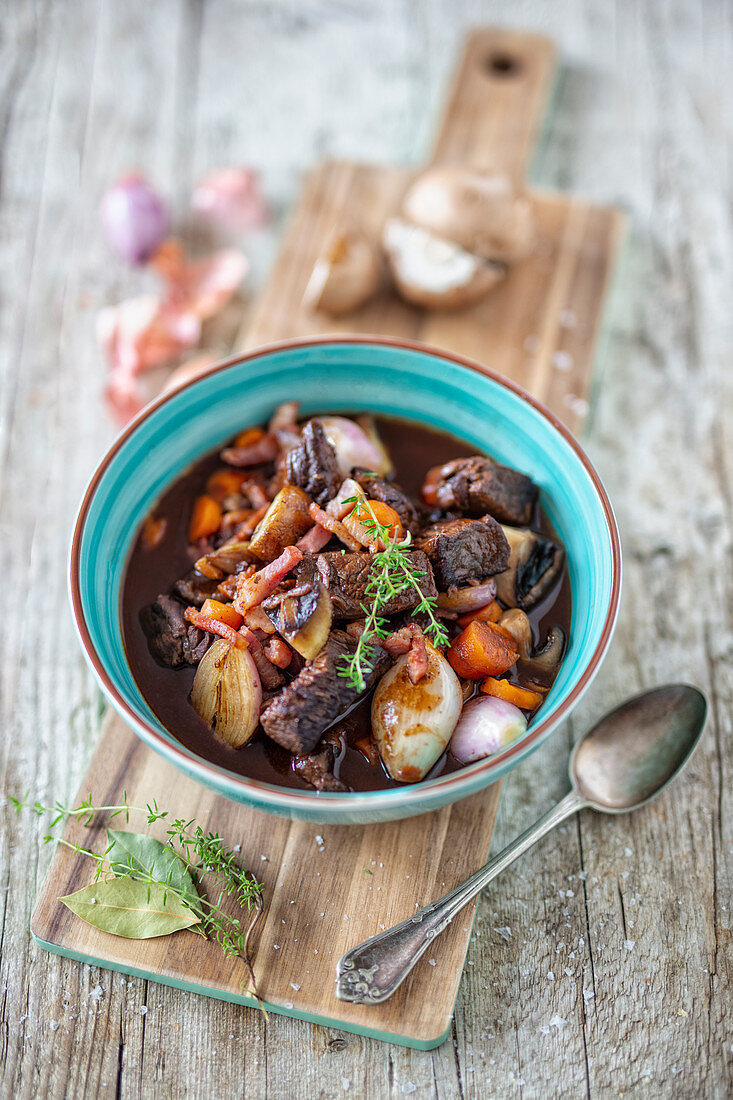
(398, 381)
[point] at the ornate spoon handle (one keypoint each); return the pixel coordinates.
(371, 972)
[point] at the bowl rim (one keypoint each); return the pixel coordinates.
(263, 795)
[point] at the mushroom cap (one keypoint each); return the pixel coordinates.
(435, 273)
(346, 274)
(481, 211)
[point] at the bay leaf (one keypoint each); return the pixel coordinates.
(130, 908)
(136, 853)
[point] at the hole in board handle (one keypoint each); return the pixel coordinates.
(503, 65)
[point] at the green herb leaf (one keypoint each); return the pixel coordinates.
(141, 856)
(129, 908)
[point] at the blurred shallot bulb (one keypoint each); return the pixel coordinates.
(134, 218)
(232, 198)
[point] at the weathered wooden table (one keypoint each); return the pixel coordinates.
(601, 962)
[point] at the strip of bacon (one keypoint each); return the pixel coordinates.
(251, 591)
(278, 652)
(215, 626)
(343, 502)
(409, 639)
(335, 526)
(246, 529)
(265, 450)
(398, 643)
(256, 495)
(417, 658)
(285, 417)
(270, 676)
(256, 619)
(314, 540)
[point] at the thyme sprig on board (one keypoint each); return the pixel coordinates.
(391, 573)
(172, 871)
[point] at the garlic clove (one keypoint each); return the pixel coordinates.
(481, 211)
(346, 275)
(227, 692)
(433, 272)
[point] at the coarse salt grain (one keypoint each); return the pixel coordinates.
(432, 962)
(562, 360)
(630, 945)
(295, 986)
(558, 1021)
(576, 404)
(143, 1010)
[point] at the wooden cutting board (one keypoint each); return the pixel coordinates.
(328, 888)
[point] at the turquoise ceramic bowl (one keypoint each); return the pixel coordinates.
(380, 376)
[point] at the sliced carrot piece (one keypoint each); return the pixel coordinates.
(491, 613)
(511, 693)
(249, 436)
(154, 531)
(224, 483)
(224, 612)
(360, 522)
(482, 649)
(205, 518)
(368, 749)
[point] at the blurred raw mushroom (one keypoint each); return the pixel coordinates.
(346, 274)
(435, 273)
(458, 231)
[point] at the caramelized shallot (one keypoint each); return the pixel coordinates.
(227, 692)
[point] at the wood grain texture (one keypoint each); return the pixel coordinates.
(641, 119)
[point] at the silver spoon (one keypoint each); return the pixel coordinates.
(624, 761)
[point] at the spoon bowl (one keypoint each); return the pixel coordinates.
(622, 762)
(628, 757)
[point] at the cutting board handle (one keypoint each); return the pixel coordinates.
(497, 102)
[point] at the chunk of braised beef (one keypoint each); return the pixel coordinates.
(464, 551)
(319, 694)
(312, 464)
(193, 589)
(346, 577)
(478, 485)
(171, 640)
(317, 768)
(377, 488)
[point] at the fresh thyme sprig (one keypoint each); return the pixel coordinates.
(204, 854)
(392, 572)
